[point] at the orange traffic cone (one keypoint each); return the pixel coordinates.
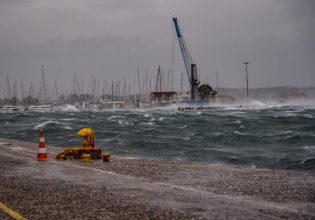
(42, 153)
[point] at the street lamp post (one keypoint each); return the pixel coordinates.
(246, 63)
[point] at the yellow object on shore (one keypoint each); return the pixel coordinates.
(105, 157)
(88, 137)
(87, 151)
(78, 152)
(86, 158)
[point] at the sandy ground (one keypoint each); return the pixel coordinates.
(147, 189)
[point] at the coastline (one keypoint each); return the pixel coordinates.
(148, 189)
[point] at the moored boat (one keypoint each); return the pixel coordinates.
(39, 108)
(10, 108)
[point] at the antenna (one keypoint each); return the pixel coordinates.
(44, 82)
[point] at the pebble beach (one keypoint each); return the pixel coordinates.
(135, 188)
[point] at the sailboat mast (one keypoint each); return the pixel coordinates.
(44, 83)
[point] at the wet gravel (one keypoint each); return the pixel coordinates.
(52, 199)
(147, 189)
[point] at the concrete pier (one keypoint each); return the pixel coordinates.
(128, 188)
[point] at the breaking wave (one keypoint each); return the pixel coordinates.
(44, 124)
(68, 108)
(263, 135)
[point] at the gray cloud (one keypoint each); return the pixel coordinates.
(111, 38)
(17, 3)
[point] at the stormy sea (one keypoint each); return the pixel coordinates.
(273, 136)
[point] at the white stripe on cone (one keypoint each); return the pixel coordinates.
(42, 150)
(42, 139)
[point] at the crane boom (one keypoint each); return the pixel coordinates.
(191, 68)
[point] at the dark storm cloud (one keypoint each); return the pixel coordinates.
(111, 38)
(118, 5)
(15, 3)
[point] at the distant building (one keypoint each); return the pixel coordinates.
(163, 97)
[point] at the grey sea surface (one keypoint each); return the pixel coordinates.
(263, 136)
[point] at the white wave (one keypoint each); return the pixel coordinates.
(123, 123)
(232, 108)
(43, 125)
(189, 136)
(139, 110)
(115, 116)
(161, 118)
(171, 107)
(216, 134)
(67, 119)
(309, 148)
(239, 133)
(149, 123)
(286, 114)
(308, 104)
(290, 136)
(308, 116)
(253, 104)
(67, 108)
(185, 126)
(236, 113)
(256, 103)
(286, 132)
(147, 115)
(152, 119)
(68, 128)
(238, 122)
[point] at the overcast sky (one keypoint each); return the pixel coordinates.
(111, 38)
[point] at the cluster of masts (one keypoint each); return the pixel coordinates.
(13, 92)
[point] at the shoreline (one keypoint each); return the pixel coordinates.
(148, 188)
(142, 157)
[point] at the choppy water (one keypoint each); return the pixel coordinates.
(262, 136)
